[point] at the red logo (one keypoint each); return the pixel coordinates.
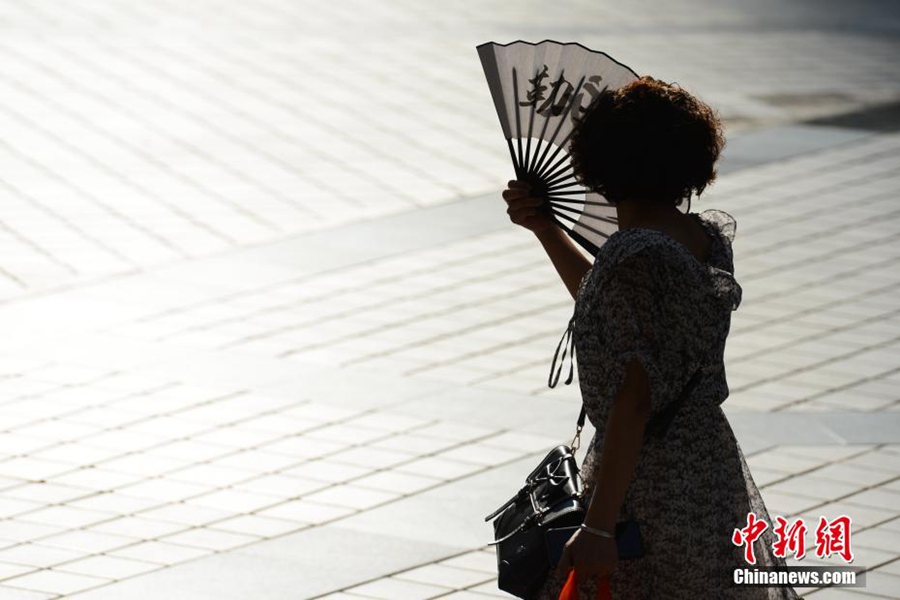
(834, 538)
(748, 535)
(789, 539)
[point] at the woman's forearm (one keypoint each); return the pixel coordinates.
(622, 443)
(567, 259)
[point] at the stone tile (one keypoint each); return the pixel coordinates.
(414, 444)
(388, 422)
(281, 486)
(489, 589)
(93, 542)
(38, 555)
(892, 568)
(445, 576)
(370, 457)
(186, 514)
(114, 502)
(764, 477)
(878, 461)
(813, 487)
(143, 464)
(788, 504)
(346, 434)
(780, 461)
(262, 527)
(521, 442)
(846, 473)
(397, 589)
(396, 482)
(480, 454)
(303, 447)
(23, 531)
(11, 506)
(11, 570)
(880, 583)
(879, 538)
(108, 567)
(351, 496)
(138, 527)
(327, 471)
(211, 475)
(875, 498)
(436, 467)
(32, 469)
(486, 562)
(824, 453)
(97, 479)
(55, 582)
(164, 490)
(455, 432)
(161, 553)
(46, 493)
(231, 501)
(263, 461)
(303, 511)
(67, 516)
(209, 538)
(860, 515)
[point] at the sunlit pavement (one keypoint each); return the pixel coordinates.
(268, 334)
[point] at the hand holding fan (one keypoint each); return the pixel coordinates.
(539, 91)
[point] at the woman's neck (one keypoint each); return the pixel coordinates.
(632, 213)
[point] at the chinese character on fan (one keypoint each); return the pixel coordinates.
(831, 537)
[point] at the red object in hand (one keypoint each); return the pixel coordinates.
(570, 590)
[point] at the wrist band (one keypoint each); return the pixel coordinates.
(600, 532)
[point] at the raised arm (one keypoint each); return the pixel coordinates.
(526, 211)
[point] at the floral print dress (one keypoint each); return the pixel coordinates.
(647, 297)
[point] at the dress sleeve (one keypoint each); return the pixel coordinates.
(646, 309)
(583, 283)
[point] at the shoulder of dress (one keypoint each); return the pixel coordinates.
(721, 221)
(635, 246)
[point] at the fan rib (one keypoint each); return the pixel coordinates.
(571, 184)
(512, 154)
(561, 177)
(557, 168)
(519, 173)
(563, 192)
(585, 243)
(527, 160)
(587, 215)
(577, 222)
(585, 202)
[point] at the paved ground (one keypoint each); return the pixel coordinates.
(268, 333)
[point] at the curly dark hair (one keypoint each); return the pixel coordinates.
(648, 140)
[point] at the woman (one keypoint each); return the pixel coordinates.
(653, 310)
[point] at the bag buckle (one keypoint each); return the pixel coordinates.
(576, 441)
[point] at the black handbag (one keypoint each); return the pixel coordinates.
(532, 526)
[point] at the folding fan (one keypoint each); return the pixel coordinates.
(539, 91)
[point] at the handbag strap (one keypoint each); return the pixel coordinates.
(567, 345)
(658, 425)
